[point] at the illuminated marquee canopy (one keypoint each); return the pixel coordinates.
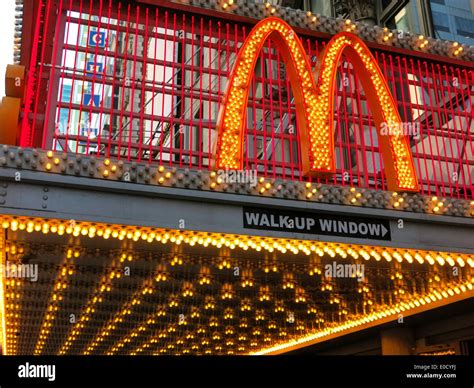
(314, 103)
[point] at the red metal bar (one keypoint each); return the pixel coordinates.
(254, 121)
(32, 77)
(134, 71)
(182, 100)
(72, 84)
(292, 126)
(143, 95)
(201, 75)
(83, 77)
(162, 125)
(124, 84)
(209, 135)
(420, 77)
(466, 109)
(381, 161)
(191, 105)
(153, 92)
(357, 87)
(427, 177)
(270, 71)
(94, 75)
(40, 71)
(442, 99)
(439, 164)
(355, 128)
(60, 85)
(340, 137)
(104, 71)
(281, 138)
(264, 116)
(442, 117)
(406, 114)
(456, 132)
(109, 140)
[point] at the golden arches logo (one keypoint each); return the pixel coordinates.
(314, 102)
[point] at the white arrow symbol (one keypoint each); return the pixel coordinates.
(384, 230)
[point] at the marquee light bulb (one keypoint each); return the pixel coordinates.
(315, 112)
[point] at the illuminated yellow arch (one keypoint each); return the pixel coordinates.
(314, 103)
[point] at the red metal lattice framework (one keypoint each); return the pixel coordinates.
(144, 83)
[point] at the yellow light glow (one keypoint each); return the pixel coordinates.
(257, 243)
(314, 102)
(59, 287)
(392, 311)
(404, 257)
(2, 297)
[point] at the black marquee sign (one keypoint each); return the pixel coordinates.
(316, 223)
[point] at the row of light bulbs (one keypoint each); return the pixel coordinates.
(314, 191)
(56, 297)
(233, 241)
(104, 286)
(145, 289)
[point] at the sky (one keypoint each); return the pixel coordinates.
(7, 26)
